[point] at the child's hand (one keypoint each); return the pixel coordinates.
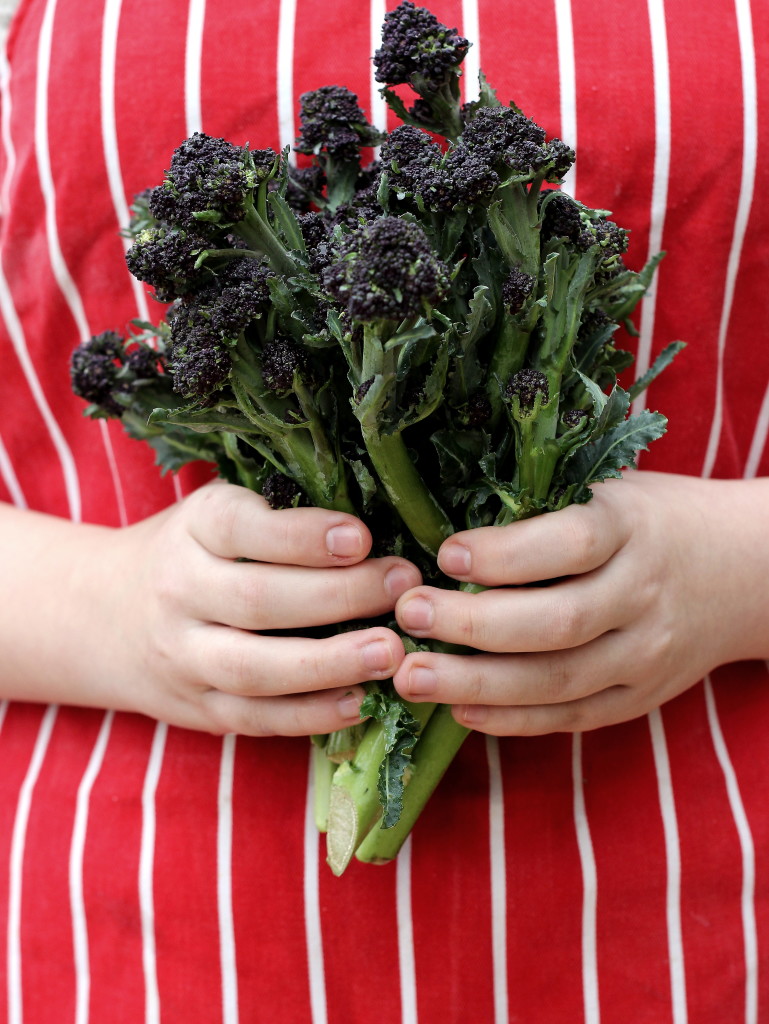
(666, 577)
(161, 618)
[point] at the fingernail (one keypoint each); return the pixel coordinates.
(344, 541)
(417, 614)
(349, 705)
(455, 559)
(422, 681)
(377, 656)
(473, 714)
(397, 581)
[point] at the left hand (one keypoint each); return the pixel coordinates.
(660, 579)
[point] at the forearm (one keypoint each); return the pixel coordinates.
(737, 534)
(54, 593)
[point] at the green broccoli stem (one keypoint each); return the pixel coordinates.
(341, 176)
(257, 232)
(322, 774)
(405, 488)
(343, 744)
(537, 451)
(436, 748)
(445, 104)
(325, 484)
(514, 221)
(354, 799)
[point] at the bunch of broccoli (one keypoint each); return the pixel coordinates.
(426, 339)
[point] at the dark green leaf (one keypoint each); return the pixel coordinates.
(401, 731)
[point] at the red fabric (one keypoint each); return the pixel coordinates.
(551, 941)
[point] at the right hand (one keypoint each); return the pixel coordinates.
(173, 618)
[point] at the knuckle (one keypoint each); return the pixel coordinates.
(253, 597)
(557, 682)
(474, 687)
(235, 669)
(474, 627)
(315, 667)
(582, 538)
(567, 622)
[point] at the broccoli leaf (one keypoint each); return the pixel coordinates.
(401, 730)
(612, 452)
(663, 360)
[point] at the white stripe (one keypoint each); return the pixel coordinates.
(747, 183)
(589, 888)
(471, 30)
(5, 129)
(15, 1004)
(758, 443)
(406, 963)
(568, 84)
(660, 183)
(3, 710)
(16, 334)
(10, 479)
(110, 27)
(146, 871)
(13, 324)
(224, 884)
(285, 74)
(192, 65)
(750, 933)
(58, 264)
(378, 103)
(673, 857)
(77, 847)
(498, 872)
(312, 922)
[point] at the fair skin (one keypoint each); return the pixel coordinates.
(666, 577)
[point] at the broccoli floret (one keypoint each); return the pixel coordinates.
(210, 181)
(166, 260)
(280, 491)
(316, 239)
(526, 386)
(237, 295)
(516, 288)
(565, 218)
(573, 417)
(509, 141)
(93, 370)
(281, 359)
(199, 360)
(143, 363)
(332, 122)
(417, 167)
(415, 43)
(407, 152)
(386, 270)
(106, 369)
(478, 410)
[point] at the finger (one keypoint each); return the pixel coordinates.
(574, 540)
(551, 677)
(609, 707)
(233, 522)
(261, 596)
(565, 615)
(245, 664)
(294, 715)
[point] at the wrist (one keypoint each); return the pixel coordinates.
(54, 595)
